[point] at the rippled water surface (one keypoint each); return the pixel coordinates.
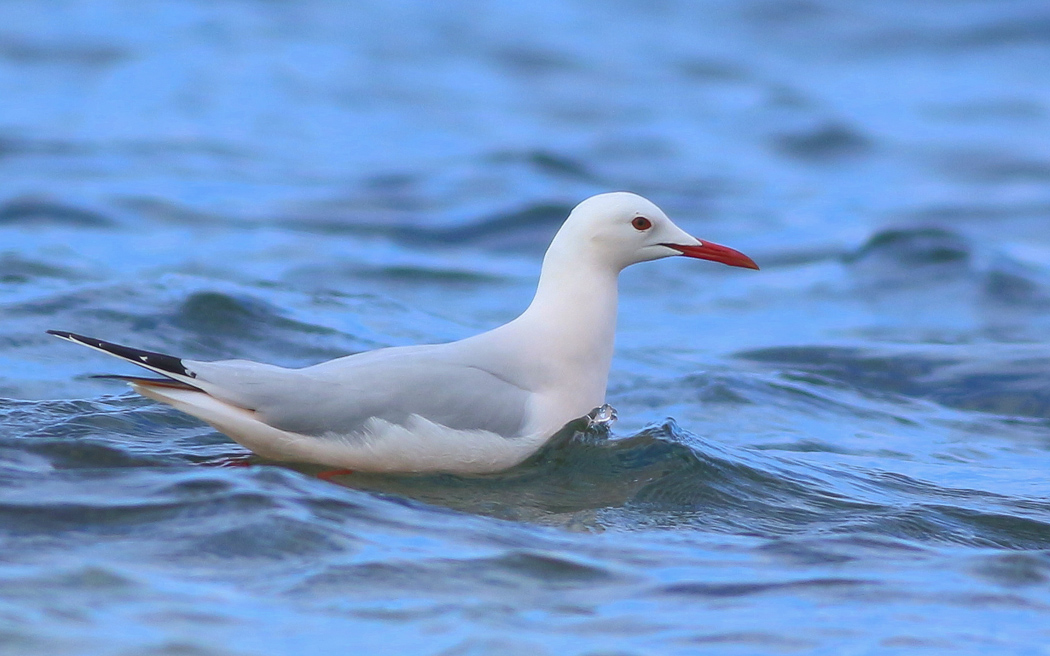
(846, 452)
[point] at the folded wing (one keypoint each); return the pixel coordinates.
(337, 398)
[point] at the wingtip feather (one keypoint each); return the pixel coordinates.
(167, 365)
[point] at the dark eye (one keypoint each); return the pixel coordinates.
(641, 223)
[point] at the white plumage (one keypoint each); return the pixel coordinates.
(482, 404)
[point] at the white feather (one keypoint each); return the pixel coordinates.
(378, 446)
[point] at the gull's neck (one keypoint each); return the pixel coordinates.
(571, 322)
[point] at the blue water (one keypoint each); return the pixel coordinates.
(846, 452)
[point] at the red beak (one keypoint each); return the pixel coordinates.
(708, 251)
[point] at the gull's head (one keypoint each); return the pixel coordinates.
(621, 229)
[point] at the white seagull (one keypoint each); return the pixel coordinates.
(479, 405)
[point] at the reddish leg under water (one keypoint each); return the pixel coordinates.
(246, 461)
(329, 474)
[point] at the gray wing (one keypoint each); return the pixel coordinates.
(391, 384)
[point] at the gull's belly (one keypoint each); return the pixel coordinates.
(420, 445)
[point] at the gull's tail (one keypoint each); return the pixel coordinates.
(176, 374)
(180, 389)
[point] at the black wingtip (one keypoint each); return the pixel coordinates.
(73, 337)
(160, 362)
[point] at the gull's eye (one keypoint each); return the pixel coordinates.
(641, 223)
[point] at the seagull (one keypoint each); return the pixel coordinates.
(479, 405)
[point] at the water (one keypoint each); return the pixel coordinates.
(846, 452)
